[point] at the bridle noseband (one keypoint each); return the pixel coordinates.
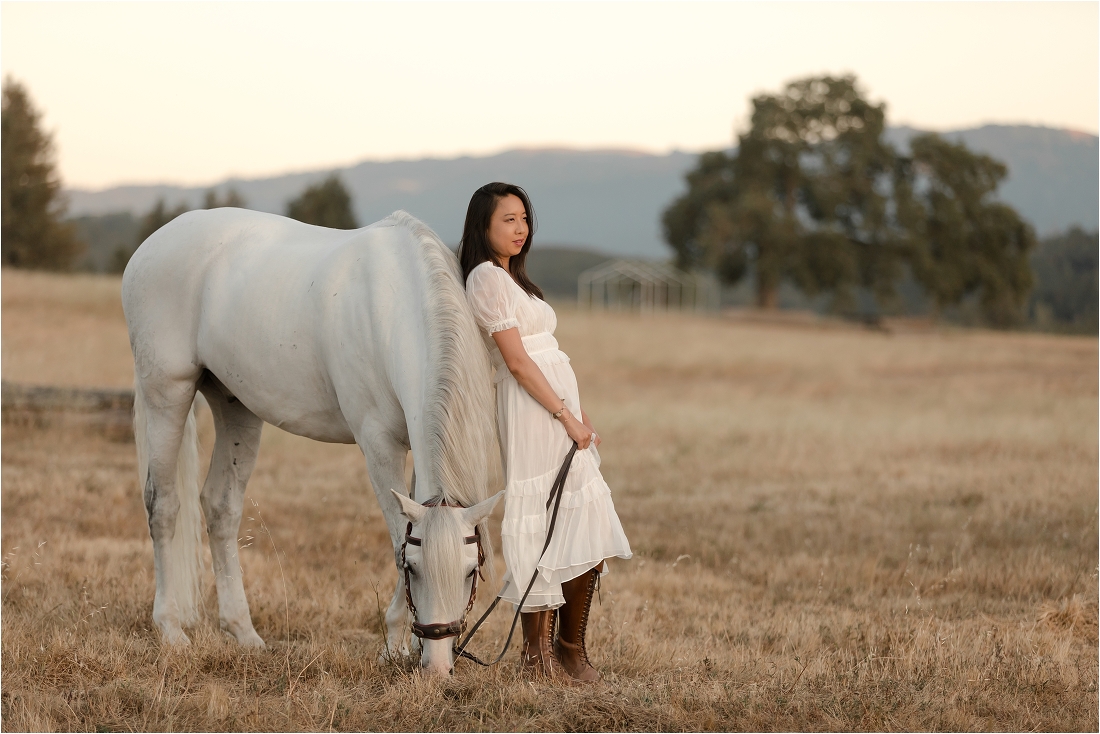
(442, 630)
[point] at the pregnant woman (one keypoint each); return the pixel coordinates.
(539, 416)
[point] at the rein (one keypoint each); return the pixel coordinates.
(556, 493)
(440, 631)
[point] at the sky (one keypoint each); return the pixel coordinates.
(195, 92)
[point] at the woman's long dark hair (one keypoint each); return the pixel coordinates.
(475, 249)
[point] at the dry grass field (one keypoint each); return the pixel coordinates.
(834, 529)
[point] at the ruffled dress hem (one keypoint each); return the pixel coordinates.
(586, 534)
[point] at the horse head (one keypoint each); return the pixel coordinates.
(441, 558)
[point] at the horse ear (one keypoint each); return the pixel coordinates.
(410, 509)
(482, 510)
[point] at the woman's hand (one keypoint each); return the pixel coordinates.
(577, 431)
(588, 424)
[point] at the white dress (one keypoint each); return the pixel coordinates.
(533, 446)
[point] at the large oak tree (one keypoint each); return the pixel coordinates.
(803, 198)
(963, 242)
(814, 195)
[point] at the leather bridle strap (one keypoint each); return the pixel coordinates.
(556, 492)
(440, 630)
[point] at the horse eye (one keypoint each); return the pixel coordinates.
(470, 575)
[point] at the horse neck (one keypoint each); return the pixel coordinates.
(458, 422)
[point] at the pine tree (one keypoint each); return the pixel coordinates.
(161, 215)
(327, 204)
(33, 233)
(232, 198)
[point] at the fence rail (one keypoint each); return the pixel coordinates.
(108, 410)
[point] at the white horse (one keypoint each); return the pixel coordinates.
(361, 336)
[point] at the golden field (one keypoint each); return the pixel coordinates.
(834, 529)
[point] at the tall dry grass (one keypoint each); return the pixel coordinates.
(833, 529)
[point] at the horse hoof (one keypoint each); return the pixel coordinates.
(176, 638)
(243, 633)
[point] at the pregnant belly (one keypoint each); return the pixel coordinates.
(542, 348)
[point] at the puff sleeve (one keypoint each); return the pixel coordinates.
(492, 297)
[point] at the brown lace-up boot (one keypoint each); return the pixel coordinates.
(538, 652)
(572, 625)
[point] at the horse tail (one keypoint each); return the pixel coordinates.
(187, 564)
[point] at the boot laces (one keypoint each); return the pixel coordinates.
(584, 617)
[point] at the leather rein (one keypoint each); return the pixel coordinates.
(455, 629)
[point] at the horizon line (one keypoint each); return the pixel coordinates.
(547, 148)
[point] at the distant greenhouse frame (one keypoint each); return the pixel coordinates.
(636, 285)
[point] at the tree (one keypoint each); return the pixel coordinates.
(232, 198)
(33, 234)
(326, 204)
(962, 242)
(153, 220)
(816, 196)
(710, 183)
(804, 198)
(161, 215)
(157, 217)
(105, 235)
(1065, 268)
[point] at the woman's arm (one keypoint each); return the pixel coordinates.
(531, 379)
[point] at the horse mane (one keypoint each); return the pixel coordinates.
(459, 415)
(441, 532)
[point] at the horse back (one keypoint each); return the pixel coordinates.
(300, 323)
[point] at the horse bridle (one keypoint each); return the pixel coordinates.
(441, 630)
(455, 629)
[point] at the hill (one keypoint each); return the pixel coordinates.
(606, 200)
(611, 200)
(555, 269)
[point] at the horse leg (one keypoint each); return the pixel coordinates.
(164, 429)
(235, 449)
(386, 468)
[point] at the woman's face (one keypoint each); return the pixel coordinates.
(508, 227)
